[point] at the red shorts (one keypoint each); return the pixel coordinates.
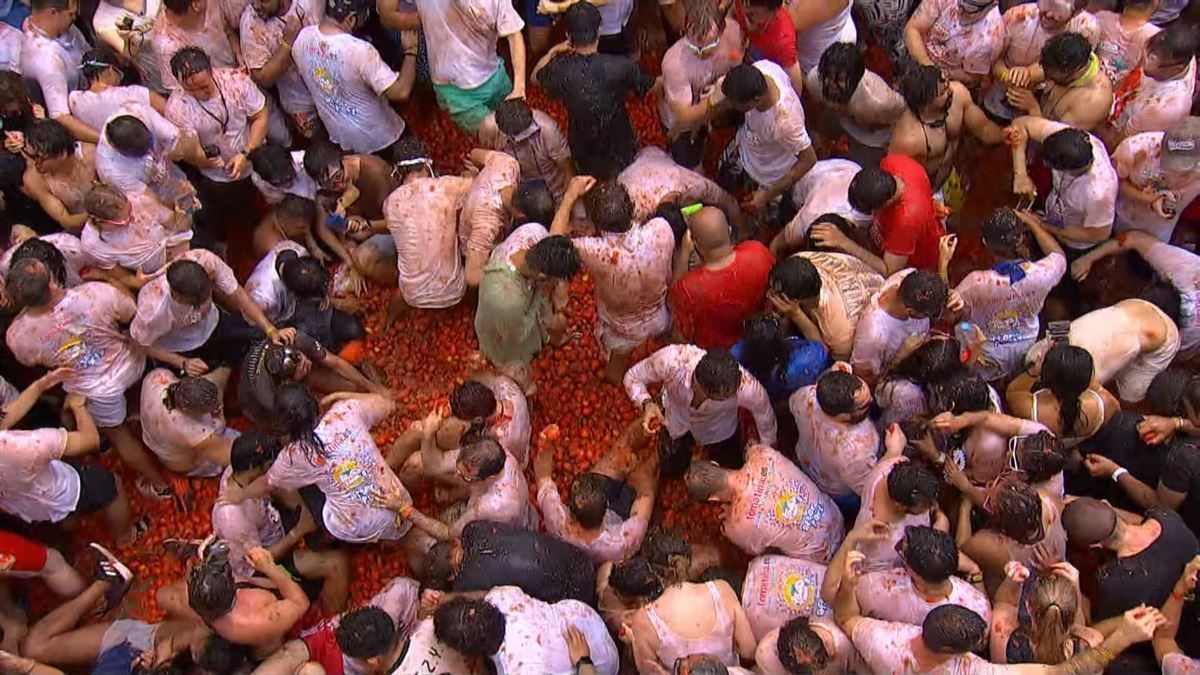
(28, 556)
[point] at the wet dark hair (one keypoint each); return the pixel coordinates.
(295, 418)
(635, 577)
(845, 226)
(699, 664)
(220, 656)
(99, 60)
(273, 163)
(1014, 509)
(39, 5)
(588, 499)
(800, 650)
(1174, 45)
(193, 395)
(913, 486)
(841, 60)
(306, 278)
(1065, 53)
(407, 149)
(534, 199)
(1068, 149)
(1041, 456)
(1171, 390)
(295, 207)
(49, 139)
(177, 6)
(609, 207)
(919, 86)
(766, 4)
(960, 391)
(486, 456)
(836, 390)
(744, 85)
(719, 373)
(210, 585)
(439, 566)
(366, 633)
(554, 256)
(1004, 233)
(704, 479)
(1067, 372)
(1165, 297)
(27, 283)
(953, 629)
(189, 279)
(473, 628)
(669, 555)
(472, 400)
(129, 136)
(583, 24)
(796, 278)
(765, 346)
(253, 450)
(925, 293)
(189, 61)
(513, 116)
(340, 10)
(322, 158)
(930, 553)
(932, 362)
(870, 189)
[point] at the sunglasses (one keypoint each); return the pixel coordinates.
(705, 49)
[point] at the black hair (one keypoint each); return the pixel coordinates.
(210, 585)
(772, 5)
(14, 92)
(669, 555)
(1004, 233)
(836, 220)
(959, 391)
(49, 139)
(47, 254)
(486, 456)
(472, 400)
(253, 450)
(1065, 53)
(1068, 149)
(129, 136)
(930, 553)
(189, 61)
(764, 346)
(588, 499)
(1014, 509)
(177, 6)
(925, 293)
(582, 21)
(39, 5)
(12, 173)
(796, 278)
(473, 628)
(1166, 297)
(919, 86)
(744, 85)
(306, 278)
(841, 60)
(295, 416)
(193, 394)
(99, 60)
(870, 189)
(554, 256)
(1041, 456)
(513, 116)
(719, 373)
(439, 566)
(295, 207)
(913, 486)
(273, 163)
(409, 149)
(189, 279)
(931, 362)
(534, 199)
(635, 577)
(219, 655)
(321, 158)
(953, 629)
(800, 650)
(340, 10)
(673, 214)
(609, 207)
(1171, 390)
(27, 284)
(366, 633)
(1067, 372)
(1175, 45)
(699, 664)
(729, 575)
(836, 390)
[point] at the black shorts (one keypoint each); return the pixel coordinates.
(620, 497)
(311, 587)
(675, 454)
(97, 488)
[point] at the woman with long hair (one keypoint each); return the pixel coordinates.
(1020, 523)
(907, 385)
(1054, 629)
(782, 363)
(1062, 393)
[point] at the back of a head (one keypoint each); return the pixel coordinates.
(719, 373)
(696, 664)
(1068, 150)
(98, 60)
(1172, 391)
(49, 139)
(340, 10)
(128, 135)
(1014, 509)
(1088, 521)
(710, 230)
(844, 226)
(1067, 372)
(669, 554)
(744, 85)
(189, 279)
(534, 199)
(253, 450)
(1003, 233)
(296, 412)
(871, 189)
(366, 633)
(189, 61)
(1053, 603)
(27, 283)
(47, 254)
(953, 629)
(194, 395)
(932, 362)
(588, 499)
(841, 69)
(913, 486)
(485, 456)
(1041, 457)
(609, 207)
(701, 19)
(273, 163)
(219, 655)
(295, 208)
(796, 278)
(409, 155)
(42, 5)
(177, 7)
(1163, 295)
(105, 202)
(1065, 53)
(1175, 45)
(835, 392)
(765, 343)
(13, 90)
(930, 553)
(514, 115)
(555, 256)
(925, 293)
(634, 577)
(472, 400)
(582, 21)
(210, 585)
(960, 391)
(473, 628)
(306, 278)
(919, 85)
(704, 479)
(800, 650)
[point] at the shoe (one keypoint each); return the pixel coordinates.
(113, 572)
(160, 492)
(182, 550)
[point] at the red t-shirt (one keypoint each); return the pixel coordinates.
(323, 647)
(910, 227)
(776, 42)
(710, 306)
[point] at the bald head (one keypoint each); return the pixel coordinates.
(1088, 521)
(710, 229)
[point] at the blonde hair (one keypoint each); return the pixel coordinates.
(1052, 604)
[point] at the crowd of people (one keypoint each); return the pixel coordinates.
(924, 461)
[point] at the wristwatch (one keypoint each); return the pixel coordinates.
(583, 660)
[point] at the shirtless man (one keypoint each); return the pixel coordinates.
(864, 103)
(837, 443)
(1075, 90)
(769, 504)
(632, 264)
(823, 190)
(939, 110)
(654, 177)
(900, 312)
(962, 37)
(823, 294)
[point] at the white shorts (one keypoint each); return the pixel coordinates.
(108, 411)
(139, 635)
(613, 339)
(1134, 379)
(1003, 360)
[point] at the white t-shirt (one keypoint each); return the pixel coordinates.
(54, 64)
(260, 38)
(769, 140)
(1182, 269)
(824, 189)
(778, 588)
(879, 335)
(422, 217)
(302, 185)
(1008, 312)
(244, 525)
(427, 654)
(265, 287)
(614, 15)
(174, 326)
(1088, 200)
(1138, 159)
(35, 485)
(347, 78)
(461, 37)
(223, 120)
(94, 108)
(533, 643)
(139, 245)
(172, 434)
(11, 44)
(153, 170)
(889, 595)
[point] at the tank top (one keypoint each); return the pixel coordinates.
(1071, 441)
(718, 643)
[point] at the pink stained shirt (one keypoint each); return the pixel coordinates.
(426, 652)
(163, 321)
(422, 217)
(633, 271)
(538, 149)
(713, 421)
(879, 335)
(881, 555)
(54, 64)
(261, 37)
(822, 190)
(653, 176)
(172, 434)
(35, 484)
(778, 588)
(778, 507)
(244, 525)
(686, 76)
(1025, 35)
(889, 595)
(223, 120)
(1158, 105)
(484, 217)
(168, 37)
(987, 451)
(141, 244)
(93, 108)
(511, 426)
(1138, 159)
(1121, 49)
(503, 498)
(770, 140)
(847, 286)
(302, 185)
(83, 332)
(265, 287)
(154, 171)
(618, 539)
(957, 46)
(11, 43)
(1178, 663)
(461, 37)
(886, 649)
(533, 643)
(843, 657)
(348, 473)
(521, 239)
(838, 456)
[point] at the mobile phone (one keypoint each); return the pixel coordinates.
(211, 150)
(1059, 331)
(337, 223)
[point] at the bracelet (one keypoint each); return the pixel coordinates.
(1178, 423)
(406, 511)
(272, 331)
(1178, 596)
(1105, 654)
(412, 53)
(1116, 475)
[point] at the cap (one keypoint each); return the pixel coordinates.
(1088, 521)
(1181, 146)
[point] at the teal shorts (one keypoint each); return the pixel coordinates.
(468, 107)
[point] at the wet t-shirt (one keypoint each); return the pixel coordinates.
(1121, 49)
(1138, 159)
(422, 217)
(75, 256)
(424, 653)
(484, 218)
(1149, 576)
(909, 227)
(172, 434)
(245, 525)
(1181, 268)
(167, 37)
(1087, 200)
(53, 62)
(847, 286)
(653, 176)
(35, 484)
(461, 37)
(890, 595)
(175, 326)
(873, 109)
(686, 76)
(349, 472)
(495, 554)
(778, 588)
(222, 120)
(538, 149)
(618, 539)
(838, 456)
(1178, 663)
(503, 499)
(1157, 105)
(710, 306)
(881, 555)
(1182, 475)
(1005, 311)
(142, 244)
(261, 37)
(533, 643)
(265, 287)
(769, 141)
(1025, 35)
(879, 335)
(511, 426)
(823, 190)
(93, 108)
(302, 185)
(778, 507)
(886, 648)
(956, 44)
(843, 658)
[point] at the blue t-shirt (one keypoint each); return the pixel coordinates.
(806, 360)
(117, 660)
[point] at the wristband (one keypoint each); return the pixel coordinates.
(1116, 475)
(1178, 423)
(406, 511)
(1177, 596)
(1105, 654)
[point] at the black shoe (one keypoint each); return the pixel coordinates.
(113, 572)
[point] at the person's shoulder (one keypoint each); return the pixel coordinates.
(757, 250)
